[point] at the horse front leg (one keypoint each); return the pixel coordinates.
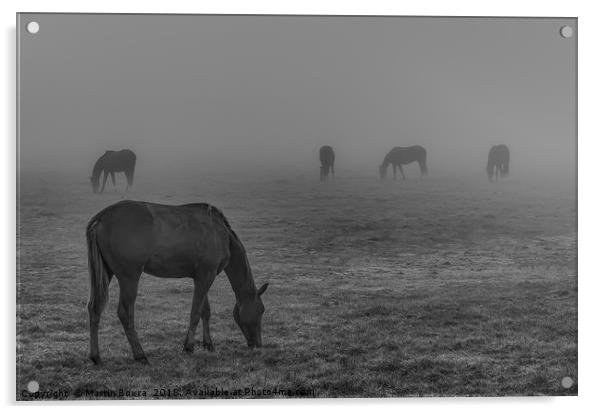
(205, 315)
(104, 181)
(129, 175)
(202, 283)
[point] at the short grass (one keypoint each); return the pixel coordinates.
(431, 287)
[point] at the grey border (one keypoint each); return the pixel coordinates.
(19, 15)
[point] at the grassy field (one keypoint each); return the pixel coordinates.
(431, 287)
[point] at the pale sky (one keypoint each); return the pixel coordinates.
(212, 92)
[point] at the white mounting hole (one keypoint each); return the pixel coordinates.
(33, 386)
(566, 31)
(33, 27)
(567, 382)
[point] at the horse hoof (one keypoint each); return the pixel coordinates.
(96, 359)
(142, 359)
(189, 348)
(209, 346)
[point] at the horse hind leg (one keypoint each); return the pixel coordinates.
(113, 177)
(128, 290)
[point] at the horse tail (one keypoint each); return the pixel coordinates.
(99, 271)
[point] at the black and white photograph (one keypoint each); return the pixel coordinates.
(295, 206)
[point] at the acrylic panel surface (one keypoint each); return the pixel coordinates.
(441, 271)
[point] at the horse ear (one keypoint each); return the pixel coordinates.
(262, 289)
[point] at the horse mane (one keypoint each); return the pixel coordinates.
(221, 215)
(210, 210)
(235, 243)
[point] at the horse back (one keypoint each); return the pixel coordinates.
(165, 241)
(118, 161)
(406, 155)
(127, 156)
(499, 153)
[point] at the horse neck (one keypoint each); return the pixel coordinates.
(386, 161)
(97, 170)
(239, 273)
(490, 167)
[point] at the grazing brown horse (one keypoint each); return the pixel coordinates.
(110, 163)
(327, 162)
(192, 240)
(498, 162)
(404, 155)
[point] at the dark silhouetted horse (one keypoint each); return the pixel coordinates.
(110, 163)
(326, 161)
(399, 156)
(192, 240)
(498, 162)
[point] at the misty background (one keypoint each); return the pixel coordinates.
(263, 93)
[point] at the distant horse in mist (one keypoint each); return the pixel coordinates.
(192, 240)
(498, 162)
(326, 161)
(110, 163)
(399, 156)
